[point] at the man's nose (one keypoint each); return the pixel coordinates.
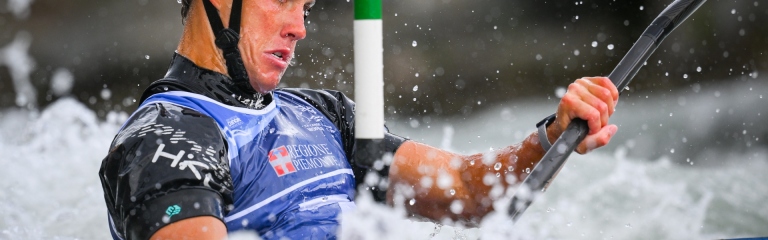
(294, 25)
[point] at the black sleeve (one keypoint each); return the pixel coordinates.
(168, 163)
(341, 111)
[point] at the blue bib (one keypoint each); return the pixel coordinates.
(290, 173)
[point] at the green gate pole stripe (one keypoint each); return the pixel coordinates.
(367, 9)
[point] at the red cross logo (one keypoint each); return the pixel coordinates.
(280, 160)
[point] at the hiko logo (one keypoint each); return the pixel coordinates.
(280, 160)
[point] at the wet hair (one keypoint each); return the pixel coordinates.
(185, 9)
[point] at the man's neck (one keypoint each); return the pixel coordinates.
(197, 42)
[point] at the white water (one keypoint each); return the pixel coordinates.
(50, 190)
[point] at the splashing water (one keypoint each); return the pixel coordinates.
(51, 188)
(20, 8)
(50, 183)
(20, 64)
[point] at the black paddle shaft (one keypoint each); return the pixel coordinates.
(544, 172)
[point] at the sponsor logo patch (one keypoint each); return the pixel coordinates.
(234, 122)
(281, 161)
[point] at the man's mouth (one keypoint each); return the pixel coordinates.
(282, 55)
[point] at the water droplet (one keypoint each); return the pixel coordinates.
(416, 75)
(457, 207)
(610, 46)
(594, 43)
(412, 201)
(146, 57)
(414, 44)
(698, 69)
(733, 11)
(472, 163)
(538, 57)
(628, 225)
(497, 166)
(106, 94)
(641, 8)
(560, 92)
(527, 170)
(453, 192)
(685, 76)
(416, 88)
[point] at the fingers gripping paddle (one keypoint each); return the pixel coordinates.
(545, 171)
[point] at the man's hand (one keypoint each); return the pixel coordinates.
(592, 99)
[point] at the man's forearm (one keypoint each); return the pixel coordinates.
(437, 178)
(202, 228)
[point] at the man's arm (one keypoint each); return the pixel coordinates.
(205, 227)
(437, 179)
(167, 165)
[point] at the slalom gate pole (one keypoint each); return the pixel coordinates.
(369, 82)
(545, 171)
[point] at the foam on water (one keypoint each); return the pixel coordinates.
(608, 197)
(50, 187)
(50, 190)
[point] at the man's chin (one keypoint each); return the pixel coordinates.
(264, 87)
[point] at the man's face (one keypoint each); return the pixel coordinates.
(270, 30)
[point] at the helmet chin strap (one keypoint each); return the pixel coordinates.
(227, 39)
